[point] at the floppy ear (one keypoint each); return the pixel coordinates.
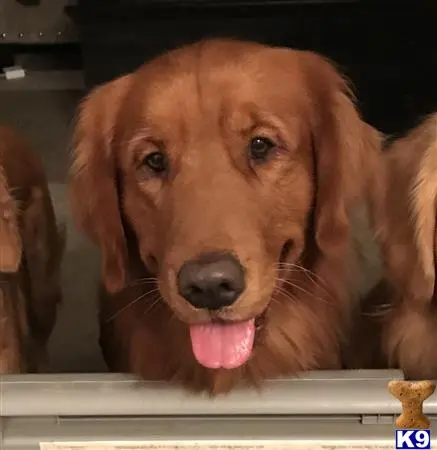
(10, 240)
(43, 248)
(43, 241)
(93, 179)
(346, 152)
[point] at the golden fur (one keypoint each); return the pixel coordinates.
(31, 249)
(402, 306)
(410, 330)
(286, 219)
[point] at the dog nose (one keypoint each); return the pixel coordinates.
(212, 281)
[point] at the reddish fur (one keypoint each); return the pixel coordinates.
(198, 100)
(30, 288)
(407, 318)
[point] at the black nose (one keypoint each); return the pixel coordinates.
(213, 281)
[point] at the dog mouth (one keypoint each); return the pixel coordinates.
(225, 344)
(228, 344)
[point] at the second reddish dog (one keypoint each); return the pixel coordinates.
(31, 248)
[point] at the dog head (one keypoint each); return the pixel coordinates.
(234, 164)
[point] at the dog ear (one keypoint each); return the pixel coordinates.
(43, 248)
(93, 179)
(10, 240)
(44, 241)
(346, 154)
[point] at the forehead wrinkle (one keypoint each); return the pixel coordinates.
(168, 107)
(209, 92)
(195, 95)
(219, 93)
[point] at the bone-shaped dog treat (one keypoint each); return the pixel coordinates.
(411, 394)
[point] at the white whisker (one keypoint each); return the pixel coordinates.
(131, 303)
(308, 273)
(298, 267)
(296, 286)
(141, 281)
(155, 301)
(284, 293)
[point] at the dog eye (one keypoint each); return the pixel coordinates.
(259, 148)
(156, 161)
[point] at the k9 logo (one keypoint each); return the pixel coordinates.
(413, 439)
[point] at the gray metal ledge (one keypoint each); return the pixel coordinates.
(195, 434)
(317, 393)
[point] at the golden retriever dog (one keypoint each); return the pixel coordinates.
(31, 246)
(217, 182)
(403, 304)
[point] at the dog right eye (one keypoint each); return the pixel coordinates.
(156, 161)
(260, 147)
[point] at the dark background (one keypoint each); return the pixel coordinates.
(387, 49)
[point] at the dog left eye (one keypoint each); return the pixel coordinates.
(260, 147)
(156, 161)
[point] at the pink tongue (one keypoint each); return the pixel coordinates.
(227, 345)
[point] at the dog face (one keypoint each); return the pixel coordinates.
(231, 163)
